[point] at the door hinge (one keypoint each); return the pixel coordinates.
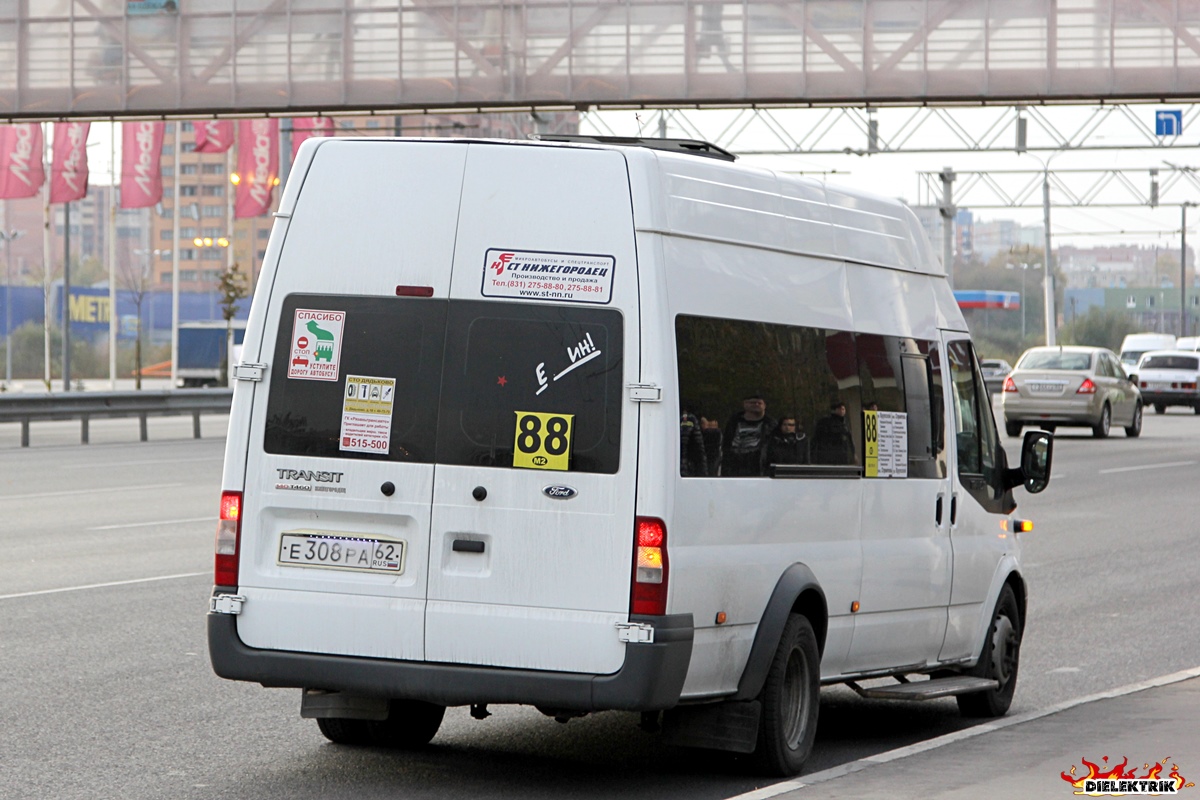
(645, 393)
(226, 604)
(635, 632)
(248, 372)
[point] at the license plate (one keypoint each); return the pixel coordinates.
(339, 551)
(1045, 388)
(1158, 386)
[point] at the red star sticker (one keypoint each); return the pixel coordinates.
(502, 381)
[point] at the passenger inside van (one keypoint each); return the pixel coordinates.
(746, 438)
(832, 443)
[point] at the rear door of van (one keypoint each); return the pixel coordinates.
(533, 495)
(341, 445)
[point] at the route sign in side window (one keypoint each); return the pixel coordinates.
(324, 372)
(542, 380)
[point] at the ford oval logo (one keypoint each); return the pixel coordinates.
(559, 492)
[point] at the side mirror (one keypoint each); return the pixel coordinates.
(1132, 377)
(1037, 453)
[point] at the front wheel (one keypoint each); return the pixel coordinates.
(999, 661)
(1101, 428)
(1135, 428)
(409, 724)
(790, 700)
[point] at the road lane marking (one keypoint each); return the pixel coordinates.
(152, 524)
(139, 463)
(1148, 466)
(103, 585)
(76, 492)
(848, 768)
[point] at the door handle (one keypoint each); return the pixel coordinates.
(937, 514)
(954, 509)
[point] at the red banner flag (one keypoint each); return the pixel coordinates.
(257, 166)
(141, 154)
(214, 136)
(21, 170)
(69, 166)
(308, 127)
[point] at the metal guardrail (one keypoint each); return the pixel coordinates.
(86, 405)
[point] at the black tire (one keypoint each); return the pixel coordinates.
(410, 724)
(1101, 428)
(999, 661)
(1049, 427)
(790, 700)
(1196, 409)
(1160, 408)
(1012, 428)
(1135, 428)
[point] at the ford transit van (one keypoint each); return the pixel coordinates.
(587, 427)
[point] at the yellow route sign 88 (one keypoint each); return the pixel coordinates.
(543, 441)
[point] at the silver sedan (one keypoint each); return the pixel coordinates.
(1071, 386)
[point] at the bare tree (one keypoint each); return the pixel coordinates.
(135, 279)
(232, 288)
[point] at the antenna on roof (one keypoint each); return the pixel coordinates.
(695, 147)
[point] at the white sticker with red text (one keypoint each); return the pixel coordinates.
(367, 414)
(316, 348)
(565, 277)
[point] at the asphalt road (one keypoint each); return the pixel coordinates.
(105, 575)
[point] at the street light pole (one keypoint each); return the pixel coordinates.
(8, 237)
(1183, 207)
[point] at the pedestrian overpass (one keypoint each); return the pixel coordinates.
(126, 58)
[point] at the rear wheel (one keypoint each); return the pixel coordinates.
(1160, 408)
(1196, 409)
(999, 661)
(410, 723)
(1012, 428)
(1101, 428)
(1135, 428)
(790, 700)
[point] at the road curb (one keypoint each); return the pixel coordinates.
(967, 733)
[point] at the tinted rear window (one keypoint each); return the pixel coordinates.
(1055, 360)
(466, 373)
(1171, 362)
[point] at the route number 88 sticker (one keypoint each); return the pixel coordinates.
(543, 441)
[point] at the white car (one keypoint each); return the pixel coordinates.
(1169, 378)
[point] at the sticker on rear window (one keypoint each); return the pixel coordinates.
(543, 441)
(316, 344)
(367, 414)
(564, 277)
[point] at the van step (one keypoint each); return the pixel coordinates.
(927, 690)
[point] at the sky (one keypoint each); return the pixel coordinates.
(896, 174)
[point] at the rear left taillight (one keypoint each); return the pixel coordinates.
(650, 567)
(1009, 386)
(1087, 387)
(229, 536)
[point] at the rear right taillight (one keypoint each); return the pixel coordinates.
(229, 535)
(650, 567)
(1087, 387)
(1009, 386)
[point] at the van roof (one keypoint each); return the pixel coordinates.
(714, 199)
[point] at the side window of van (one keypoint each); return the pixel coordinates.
(923, 394)
(739, 380)
(980, 465)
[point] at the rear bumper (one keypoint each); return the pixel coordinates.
(651, 678)
(1170, 398)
